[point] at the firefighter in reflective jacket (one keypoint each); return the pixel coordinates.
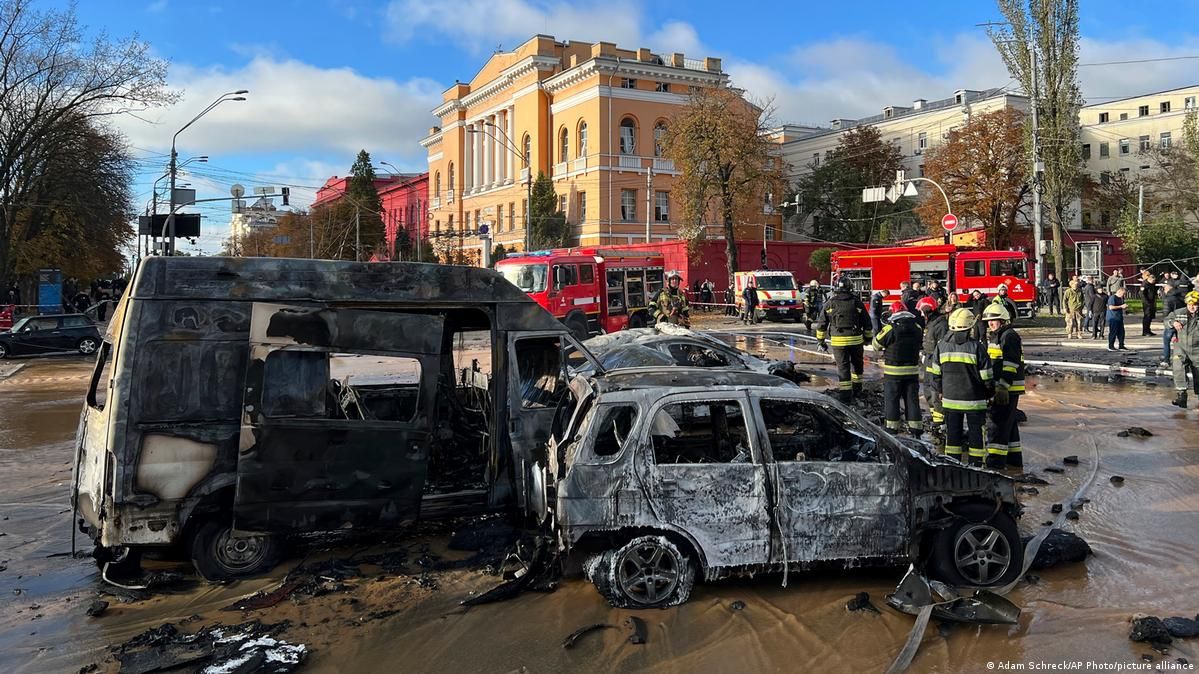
(671, 305)
(936, 326)
(1006, 351)
(899, 341)
(962, 374)
(846, 324)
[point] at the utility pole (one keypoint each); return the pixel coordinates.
(649, 194)
(357, 234)
(311, 243)
(1140, 204)
(1038, 236)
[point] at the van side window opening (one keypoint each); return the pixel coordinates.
(615, 422)
(701, 432)
(539, 369)
(974, 268)
(97, 393)
(795, 432)
(354, 387)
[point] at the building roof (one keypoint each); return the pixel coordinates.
(1128, 98)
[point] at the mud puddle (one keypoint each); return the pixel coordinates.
(1144, 533)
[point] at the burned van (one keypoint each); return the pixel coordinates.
(238, 401)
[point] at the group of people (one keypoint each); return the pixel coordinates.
(965, 375)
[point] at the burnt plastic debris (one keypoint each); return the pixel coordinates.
(1149, 629)
(1136, 432)
(97, 608)
(638, 631)
(1072, 515)
(1071, 460)
(1055, 508)
(737, 605)
(1116, 479)
(1182, 628)
(980, 607)
(1059, 547)
(1054, 469)
(573, 638)
(861, 602)
(248, 647)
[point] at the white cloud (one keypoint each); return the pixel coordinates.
(293, 107)
(677, 36)
(1104, 83)
(156, 6)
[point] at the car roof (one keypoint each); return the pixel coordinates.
(683, 379)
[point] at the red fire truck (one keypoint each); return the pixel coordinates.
(589, 289)
(961, 270)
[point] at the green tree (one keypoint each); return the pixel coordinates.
(821, 260)
(363, 197)
(1050, 29)
(722, 145)
(1160, 236)
(550, 229)
(831, 193)
(498, 253)
(56, 88)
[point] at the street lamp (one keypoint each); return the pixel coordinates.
(507, 144)
(170, 226)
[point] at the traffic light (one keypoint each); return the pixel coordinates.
(286, 194)
(763, 257)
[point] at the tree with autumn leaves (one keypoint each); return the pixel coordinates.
(984, 171)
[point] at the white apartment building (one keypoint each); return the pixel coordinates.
(1117, 134)
(260, 215)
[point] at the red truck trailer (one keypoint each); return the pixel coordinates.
(959, 270)
(589, 290)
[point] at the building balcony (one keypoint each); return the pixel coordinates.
(629, 161)
(524, 174)
(449, 196)
(560, 168)
(579, 164)
(661, 164)
(435, 202)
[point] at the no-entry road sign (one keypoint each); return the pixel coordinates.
(949, 222)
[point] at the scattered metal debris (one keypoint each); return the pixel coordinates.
(1071, 460)
(1182, 628)
(1072, 515)
(247, 647)
(1149, 629)
(915, 592)
(1116, 479)
(97, 608)
(737, 605)
(1136, 432)
(1055, 508)
(639, 633)
(1060, 547)
(861, 602)
(1054, 469)
(573, 637)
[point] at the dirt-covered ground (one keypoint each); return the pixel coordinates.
(395, 606)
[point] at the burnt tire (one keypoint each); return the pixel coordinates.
(218, 555)
(980, 548)
(646, 572)
(122, 563)
(87, 346)
(577, 326)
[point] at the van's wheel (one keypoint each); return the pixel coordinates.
(637, 320)
(219, 555)
(86, 346)
(577, 326)
(646, 572)
(978, 549)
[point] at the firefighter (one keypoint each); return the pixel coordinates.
(1185, 356)
(813, 303)
(847, 325)
(936, 326)
(962, 374)
(672, 304)
(899, 341)
(1001, 298)
(1006, 351)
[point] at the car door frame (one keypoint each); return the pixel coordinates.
(847, 514)
(318, 453)
(663, 484)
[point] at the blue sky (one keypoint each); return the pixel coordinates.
(327, 77)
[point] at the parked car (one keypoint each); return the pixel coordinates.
(667, 475)
(38, 335)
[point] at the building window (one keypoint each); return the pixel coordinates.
(628, 136)
(437, 183)
(1123, 116)
(1103, 118)
(582, 207)
(815, 160)
(449, 225)
(628, 83)
(922, 170)
(628, 205)
(1124, 146)
(663, 88)
(582, 139)
(562, 204)
(1105, 219)
(1086, 219)
(450, 175)
(1165, 140)
(499, 217)
(1188, 103)
(511, 217)
(1103, 150)
(1143, 111)
(1144, 143)
(563, 143)
(528, 148)
(1164, 107)
(659, 139)
(1086, 150)
(921, 142)
(662, 206)
(1105, 177)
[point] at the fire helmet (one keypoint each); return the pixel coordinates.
(1192, 297)
(898, 306)
(961, 320)
(996, 312)
(926, 305)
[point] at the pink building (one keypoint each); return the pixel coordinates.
(405, 204)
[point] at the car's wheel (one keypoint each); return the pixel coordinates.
(219, 555)
(87, 346)
(646, 572)
(577, 326)
(980, 548)
(3, 351)
(637, 320)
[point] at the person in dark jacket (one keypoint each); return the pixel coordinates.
(1089, 290)
(1098, 310)
(1006, 351)
(750, 295)
(1002, 298)
(977, 303)
(1148, 302)
(846, 324)
(876, 311)
(900, 341)
(936, 326)
(936, 292)
(1051, 294)
(962, 373)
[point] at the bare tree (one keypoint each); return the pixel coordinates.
(1050, 29)
(49, 74)
(722, 146)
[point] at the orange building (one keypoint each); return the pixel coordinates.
(590, 116)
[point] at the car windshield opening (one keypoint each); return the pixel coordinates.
(775, 282)
(530, 278)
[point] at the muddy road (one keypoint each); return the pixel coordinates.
(1145, 534)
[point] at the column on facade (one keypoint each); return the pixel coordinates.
(513, 162)
(464, 172)
(501, 128)
(491, 149)
(477, 163)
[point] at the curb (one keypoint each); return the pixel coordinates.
(5, 373)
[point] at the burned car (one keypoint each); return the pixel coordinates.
(665, 344)
(237, 402)
(666, 475)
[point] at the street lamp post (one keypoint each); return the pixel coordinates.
(154, 199)
(230, 96)
(508, 145)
